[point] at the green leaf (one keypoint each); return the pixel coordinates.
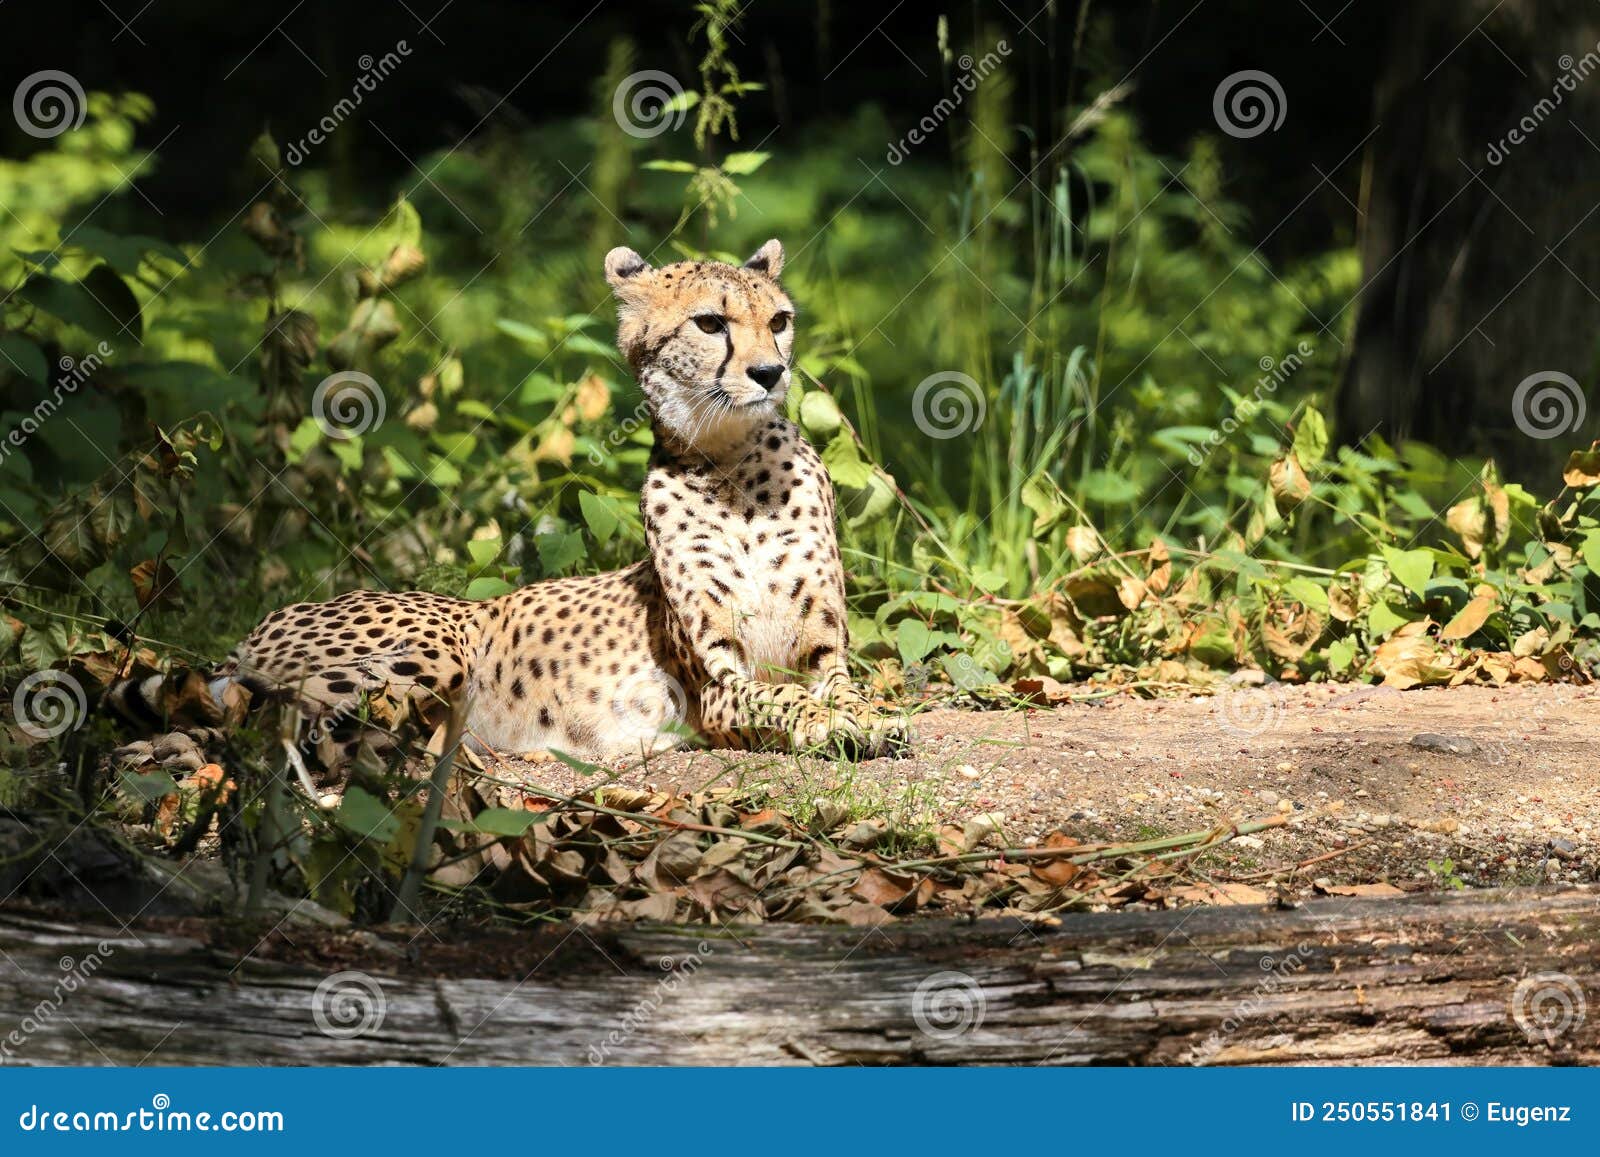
(488, 587)
(1411, 568)
(19, 354)
(914, 640)
(671, 166)
(100, 304)
(364, 815)
(483, 551)
(741, 164)
(1108, 489)
(1307, 593)
(1039, 495)
(504, 821)
(844, 463)
(1310, 439)
(1383, 620)
(148, 787)
(599, 515)
(558, 551)
(1341, 653)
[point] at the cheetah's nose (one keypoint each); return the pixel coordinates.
(766, 376)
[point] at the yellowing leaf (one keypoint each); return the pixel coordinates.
(1470, 618)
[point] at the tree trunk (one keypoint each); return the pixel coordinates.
(1491, 977)
(1481, 263)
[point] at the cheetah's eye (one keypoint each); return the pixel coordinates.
(710, 323)
(780, 323)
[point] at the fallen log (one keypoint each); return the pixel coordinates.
(1496, 977)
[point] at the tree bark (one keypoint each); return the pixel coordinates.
(1436, 978)
(1481, 264)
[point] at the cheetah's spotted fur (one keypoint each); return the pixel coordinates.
(733, 628)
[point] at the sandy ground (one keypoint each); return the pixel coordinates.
(1377, 784)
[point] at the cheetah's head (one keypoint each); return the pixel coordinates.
(710, 343)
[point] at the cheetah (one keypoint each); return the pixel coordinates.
(732, 632)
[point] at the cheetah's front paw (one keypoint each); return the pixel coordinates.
(852, 727)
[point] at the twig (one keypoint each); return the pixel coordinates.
(422, 850)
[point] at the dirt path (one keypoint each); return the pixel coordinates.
(1503, 783)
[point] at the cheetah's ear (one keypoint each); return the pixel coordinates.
(623, 265)
(767, 260)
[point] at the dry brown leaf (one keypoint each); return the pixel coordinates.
(1470, 618)
(1361, 890)
(1220, 894)
(1583, 467)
